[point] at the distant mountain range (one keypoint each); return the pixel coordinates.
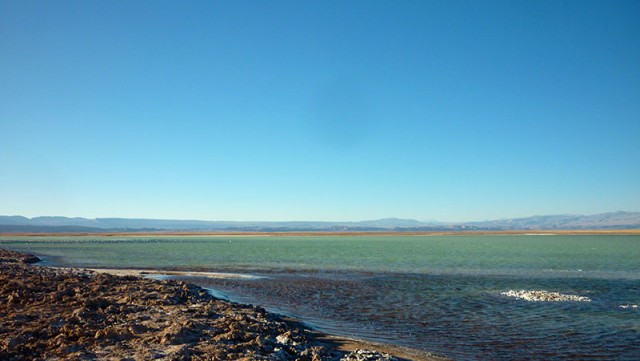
(612, 220)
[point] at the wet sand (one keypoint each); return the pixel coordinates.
(51, 313)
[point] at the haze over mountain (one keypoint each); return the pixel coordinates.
(612, 220)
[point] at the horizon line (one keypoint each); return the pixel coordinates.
(320, 221)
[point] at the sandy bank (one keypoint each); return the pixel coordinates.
(329, 234)
(151, 272)
(53, 313)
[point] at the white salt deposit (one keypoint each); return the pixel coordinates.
(544, 296)
(629, 306)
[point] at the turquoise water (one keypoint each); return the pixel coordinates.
(597, 256)
(442, 294)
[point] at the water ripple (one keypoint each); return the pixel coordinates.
(462, 317)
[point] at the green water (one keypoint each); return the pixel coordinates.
(442, 294)
(600, 256)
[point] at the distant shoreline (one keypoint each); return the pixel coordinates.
(324, 234)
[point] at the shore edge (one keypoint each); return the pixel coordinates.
(98, 314)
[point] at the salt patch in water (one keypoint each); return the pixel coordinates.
(635, 307)
(544, 296)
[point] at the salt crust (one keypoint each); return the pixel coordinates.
(544, 296)
(635, 307)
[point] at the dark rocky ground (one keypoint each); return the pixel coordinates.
(70, 314)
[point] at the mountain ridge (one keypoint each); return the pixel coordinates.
(609, 220)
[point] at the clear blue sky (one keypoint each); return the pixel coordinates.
(319, 110)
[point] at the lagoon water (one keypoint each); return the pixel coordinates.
(439, 293)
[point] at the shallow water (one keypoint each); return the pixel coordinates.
(441, 294)
(464, 317)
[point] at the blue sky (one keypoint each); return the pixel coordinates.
(322, 110)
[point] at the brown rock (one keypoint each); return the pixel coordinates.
(56, 314)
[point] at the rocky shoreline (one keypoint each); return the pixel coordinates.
(72, 314)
